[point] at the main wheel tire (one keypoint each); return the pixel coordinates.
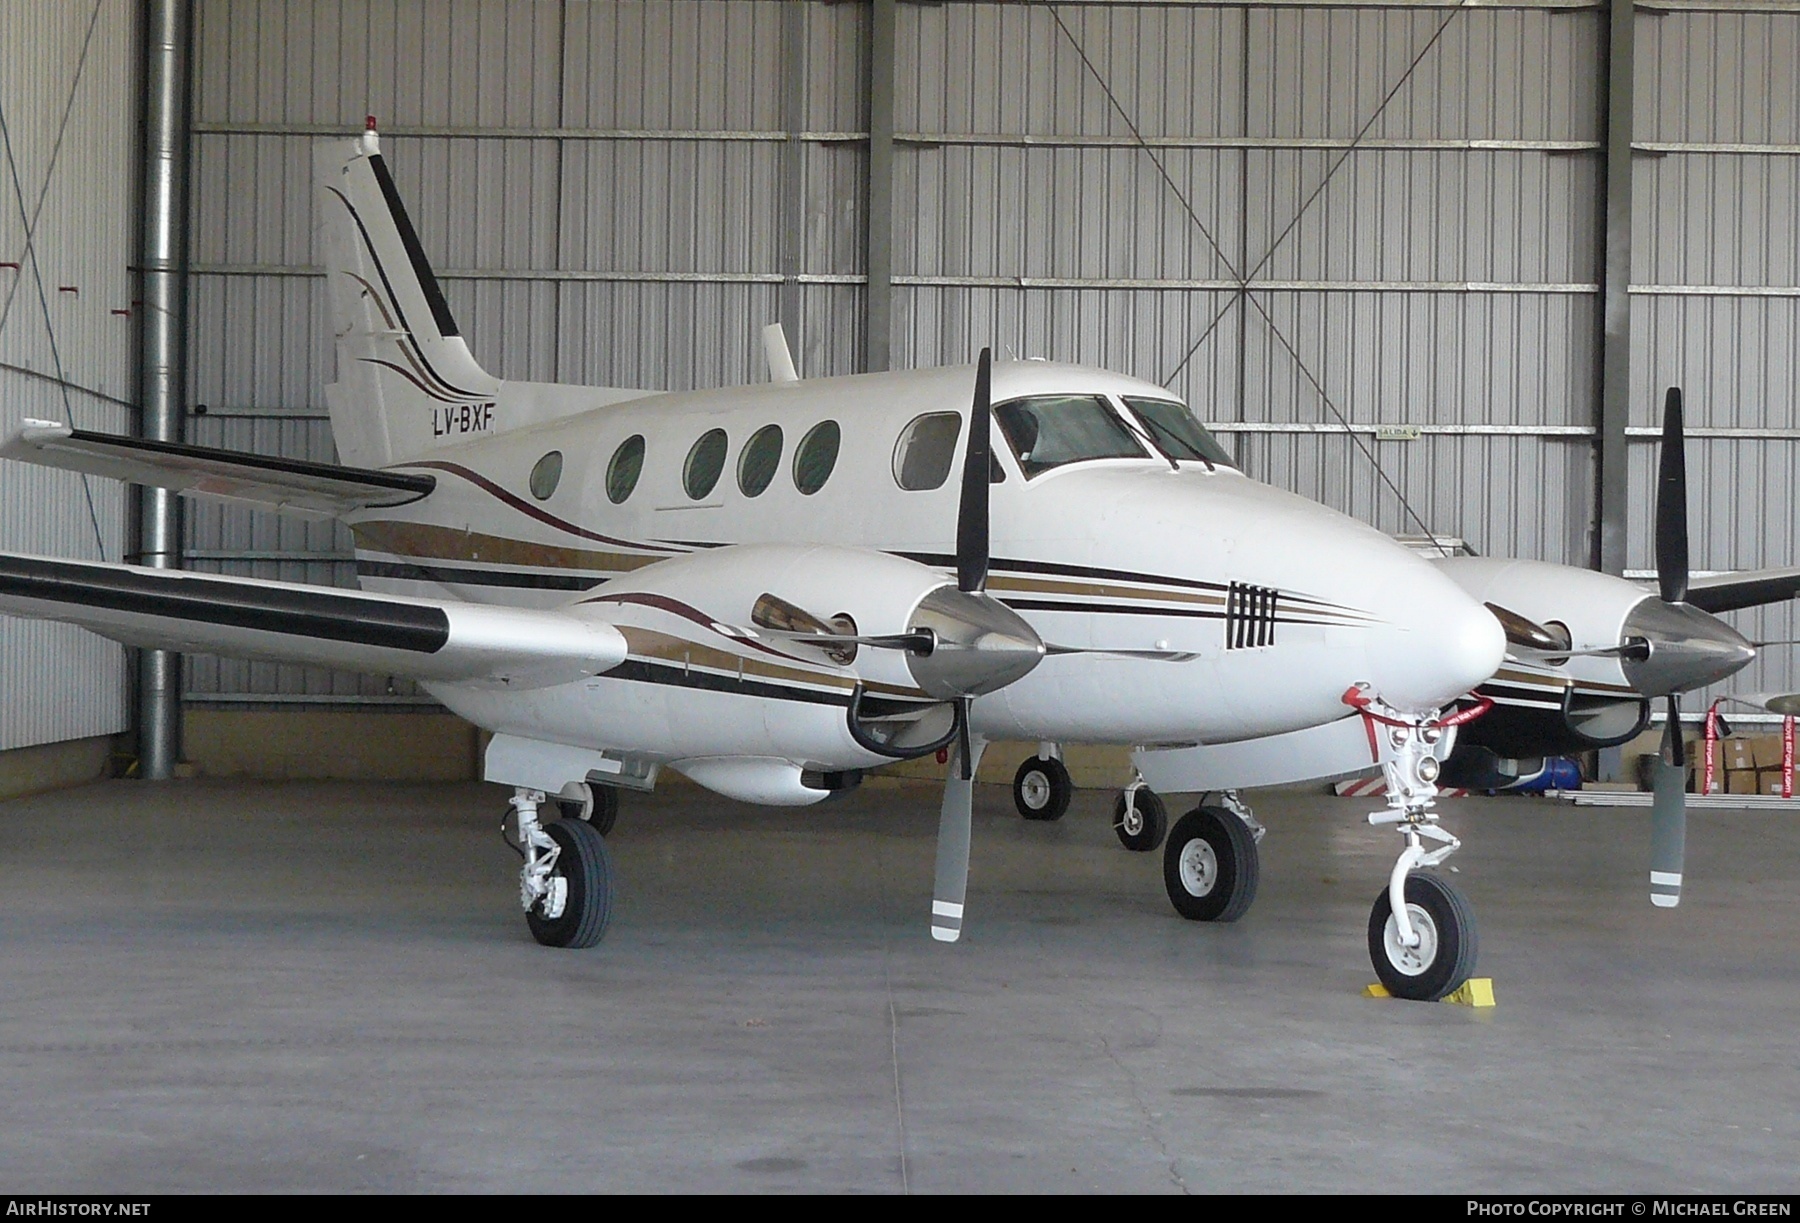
(1141, 827)
(587, 865)
(1042, 789)
(606, 809)
(1445, 957)
(602, 815)
(1210, 865)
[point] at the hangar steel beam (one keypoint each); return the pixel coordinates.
(793, 172)
(878, 310)
(167, 27)
(1615, 294)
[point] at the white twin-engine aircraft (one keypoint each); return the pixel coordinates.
(772, 588)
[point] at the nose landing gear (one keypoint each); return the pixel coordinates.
(1442, 954)
(1422, 937)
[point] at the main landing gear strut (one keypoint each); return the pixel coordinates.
(566, 884)
(1421, 931)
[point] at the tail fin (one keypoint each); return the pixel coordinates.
(406, 381)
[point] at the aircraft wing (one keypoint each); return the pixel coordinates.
(424, 639)
(1752, 588)
(323, 489)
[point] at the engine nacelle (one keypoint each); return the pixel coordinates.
(1551, 706)
(713, 640)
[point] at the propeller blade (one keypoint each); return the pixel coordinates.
(1671, 505)
(1152, 655)
(1786, 704)
(972, 511)
(951, 881)
(1636, 649)
(1668, 817)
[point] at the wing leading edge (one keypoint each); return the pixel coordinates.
(1734, 591)
(324, 489)
(288, 622)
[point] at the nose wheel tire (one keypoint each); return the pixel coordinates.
(1042, 789)
(1445, 956)
(1210, 865)
(585, 863)
(1141, 823)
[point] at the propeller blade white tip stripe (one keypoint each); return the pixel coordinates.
(949, 908)
(1664, 902)
(1669, 878)
(944, 934)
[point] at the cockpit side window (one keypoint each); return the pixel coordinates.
(925, 451)
(1176, 432)
(1047, 431)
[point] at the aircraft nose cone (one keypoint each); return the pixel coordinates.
(1688, 648)
(1445, 644)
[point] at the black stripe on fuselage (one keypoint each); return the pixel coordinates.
(1057, 569)
(671, 676)
(507, 579)
(205, 599)
(1110, 609)
(1133, 609)
(1305, 605)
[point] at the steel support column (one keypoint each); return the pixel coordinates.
(1613, 480)
(793, 174)
(878, 239)
(162, 353)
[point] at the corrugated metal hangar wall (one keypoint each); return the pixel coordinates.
(1296, 215)
(66, 233)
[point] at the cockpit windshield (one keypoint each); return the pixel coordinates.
(1175, 431)
(1047, 431)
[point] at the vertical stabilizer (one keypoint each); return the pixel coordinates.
(406, 381)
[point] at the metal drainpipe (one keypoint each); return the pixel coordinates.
(162, 368)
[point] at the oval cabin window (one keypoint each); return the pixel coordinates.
(700, 474)
(626, 466)
(546, 475)
(816, 457)
(760, 460)
(925, 451)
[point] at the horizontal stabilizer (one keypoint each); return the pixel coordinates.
(309, 488)
(1752, 588)
(423, 639)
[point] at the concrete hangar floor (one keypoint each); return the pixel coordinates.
(234, 986)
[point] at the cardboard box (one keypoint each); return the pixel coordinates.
(1767, 750)
(1768, 781)
(1741, 781)
(1737, 754)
